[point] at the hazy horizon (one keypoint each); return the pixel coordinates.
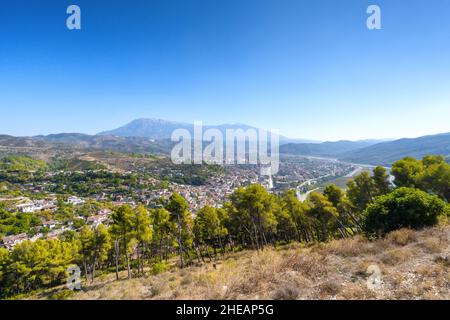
(310, 69)
(230, 123)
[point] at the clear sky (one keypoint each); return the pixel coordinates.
(309, 68)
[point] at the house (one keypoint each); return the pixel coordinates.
(104, 212)
(50, 224)
(27, 207)
(75, 200)
(34, 206)
(96, 220)
(9, 242)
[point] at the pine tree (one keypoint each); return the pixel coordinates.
(180, 215)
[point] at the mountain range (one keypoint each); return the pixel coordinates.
(153, 136)
(78, 141)
(374, 152)
(385, 153)
(326, 149)
(158, 129)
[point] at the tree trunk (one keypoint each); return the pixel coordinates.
(138, 258)
(94, 262)
(221, 245)
(180, 245)
(85, 269)
(117, 259)
(256, 237)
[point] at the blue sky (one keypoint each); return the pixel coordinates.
(309, 68)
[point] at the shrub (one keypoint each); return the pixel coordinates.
(62, 295)
(403, 208)
(159, 267)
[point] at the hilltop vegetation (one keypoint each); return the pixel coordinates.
(139, 239)
(21, 163)
(412, 264)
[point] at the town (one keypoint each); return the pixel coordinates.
(56, 203)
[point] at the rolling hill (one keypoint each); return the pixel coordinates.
(153, 136)
(108, 142)
(53, 144)
(386, 153)
(325, 149)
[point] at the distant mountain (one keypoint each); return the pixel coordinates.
(162, 129)
(77, 138)
(148, 128)
(21, 142)
(364, 152)
(325, 149)
(113, 143)
(388, 152)
(68, 142)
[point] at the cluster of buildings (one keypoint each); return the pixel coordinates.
(29, 206)
(302, 172)
(52, 229)
(214, 193)
(36, 205)
(299, 172)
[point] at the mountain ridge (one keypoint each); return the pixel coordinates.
(154, 128)
(388, 152)
(325, 149)
(153, 136)
(372, 152)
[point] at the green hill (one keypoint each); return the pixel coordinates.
(21, 163)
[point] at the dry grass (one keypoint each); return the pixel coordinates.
(402, 237)
(413, 265)
(397, 256)
(287, 292)
(353, 247)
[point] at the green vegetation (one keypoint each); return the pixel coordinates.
(34, 265)
(403, 208)
(12, 224)
(431, 174)
(253, 218)
(76, 165)
(195, 175)
(22, 163)
(94, 246)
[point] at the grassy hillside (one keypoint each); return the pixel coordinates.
(413, 265)
(21, 163)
